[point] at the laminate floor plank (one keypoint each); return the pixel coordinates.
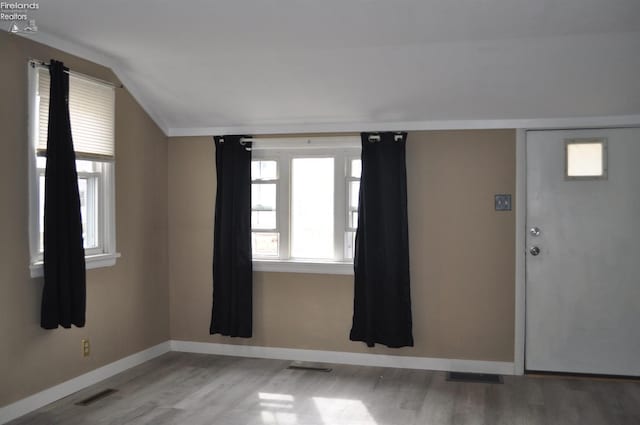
(439, 403)
(526, 399)
(469, 404)
(200, 389)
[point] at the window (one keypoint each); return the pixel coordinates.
(353, 189)
(92, 115)
(304, 204)
(586, 159)
(264, 189)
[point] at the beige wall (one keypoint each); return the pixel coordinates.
(462, 255)
(127, 305)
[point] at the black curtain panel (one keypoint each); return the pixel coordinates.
(232, 312)
(64, 292)
(382, 299)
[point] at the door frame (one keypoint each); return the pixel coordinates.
(520, 251)
(521, 230)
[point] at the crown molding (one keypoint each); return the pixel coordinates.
(349, 127)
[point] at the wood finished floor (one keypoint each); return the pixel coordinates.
(194, 389)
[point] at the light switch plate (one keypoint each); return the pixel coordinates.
(503, 202)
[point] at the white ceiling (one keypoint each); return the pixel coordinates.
(203, 66)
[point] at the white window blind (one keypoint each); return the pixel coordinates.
(92, 114)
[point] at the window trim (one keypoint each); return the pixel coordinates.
(296, 266)
(343, 150)
(93, 258)
(94, 186)
(91, 262)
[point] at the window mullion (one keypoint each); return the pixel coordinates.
(350, 228)
(106, 188)
(339, 206)
(93, 197)
(38, 247)
(347, 207)
(102, 212)
(284, 206)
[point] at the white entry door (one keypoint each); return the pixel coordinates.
(583, 251)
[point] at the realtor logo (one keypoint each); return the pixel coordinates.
(31, 27)
(18, 15)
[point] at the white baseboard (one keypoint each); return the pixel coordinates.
(38, 400)
(41, 399)
(360, 359)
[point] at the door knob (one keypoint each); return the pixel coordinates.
(534, 231)
(534, 250)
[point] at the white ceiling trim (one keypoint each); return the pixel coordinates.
(530, 124)
(100, 59)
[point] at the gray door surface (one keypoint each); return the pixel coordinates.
(583, 286)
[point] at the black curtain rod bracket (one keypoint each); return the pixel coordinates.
(373, 138)
(243, 142)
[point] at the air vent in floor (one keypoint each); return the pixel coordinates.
(484, 378)
(98, 396)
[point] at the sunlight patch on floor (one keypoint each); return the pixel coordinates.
(335, 411)
(277, 409)
(275, 397)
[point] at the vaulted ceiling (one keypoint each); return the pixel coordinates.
(203, 66)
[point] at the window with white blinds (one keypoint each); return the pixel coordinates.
(92, 115)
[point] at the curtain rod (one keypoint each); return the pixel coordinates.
(38, 63)
(373, 138)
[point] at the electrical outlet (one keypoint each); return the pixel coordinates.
(86, 350)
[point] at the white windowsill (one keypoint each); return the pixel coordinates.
(91, 261)
(296, 266)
